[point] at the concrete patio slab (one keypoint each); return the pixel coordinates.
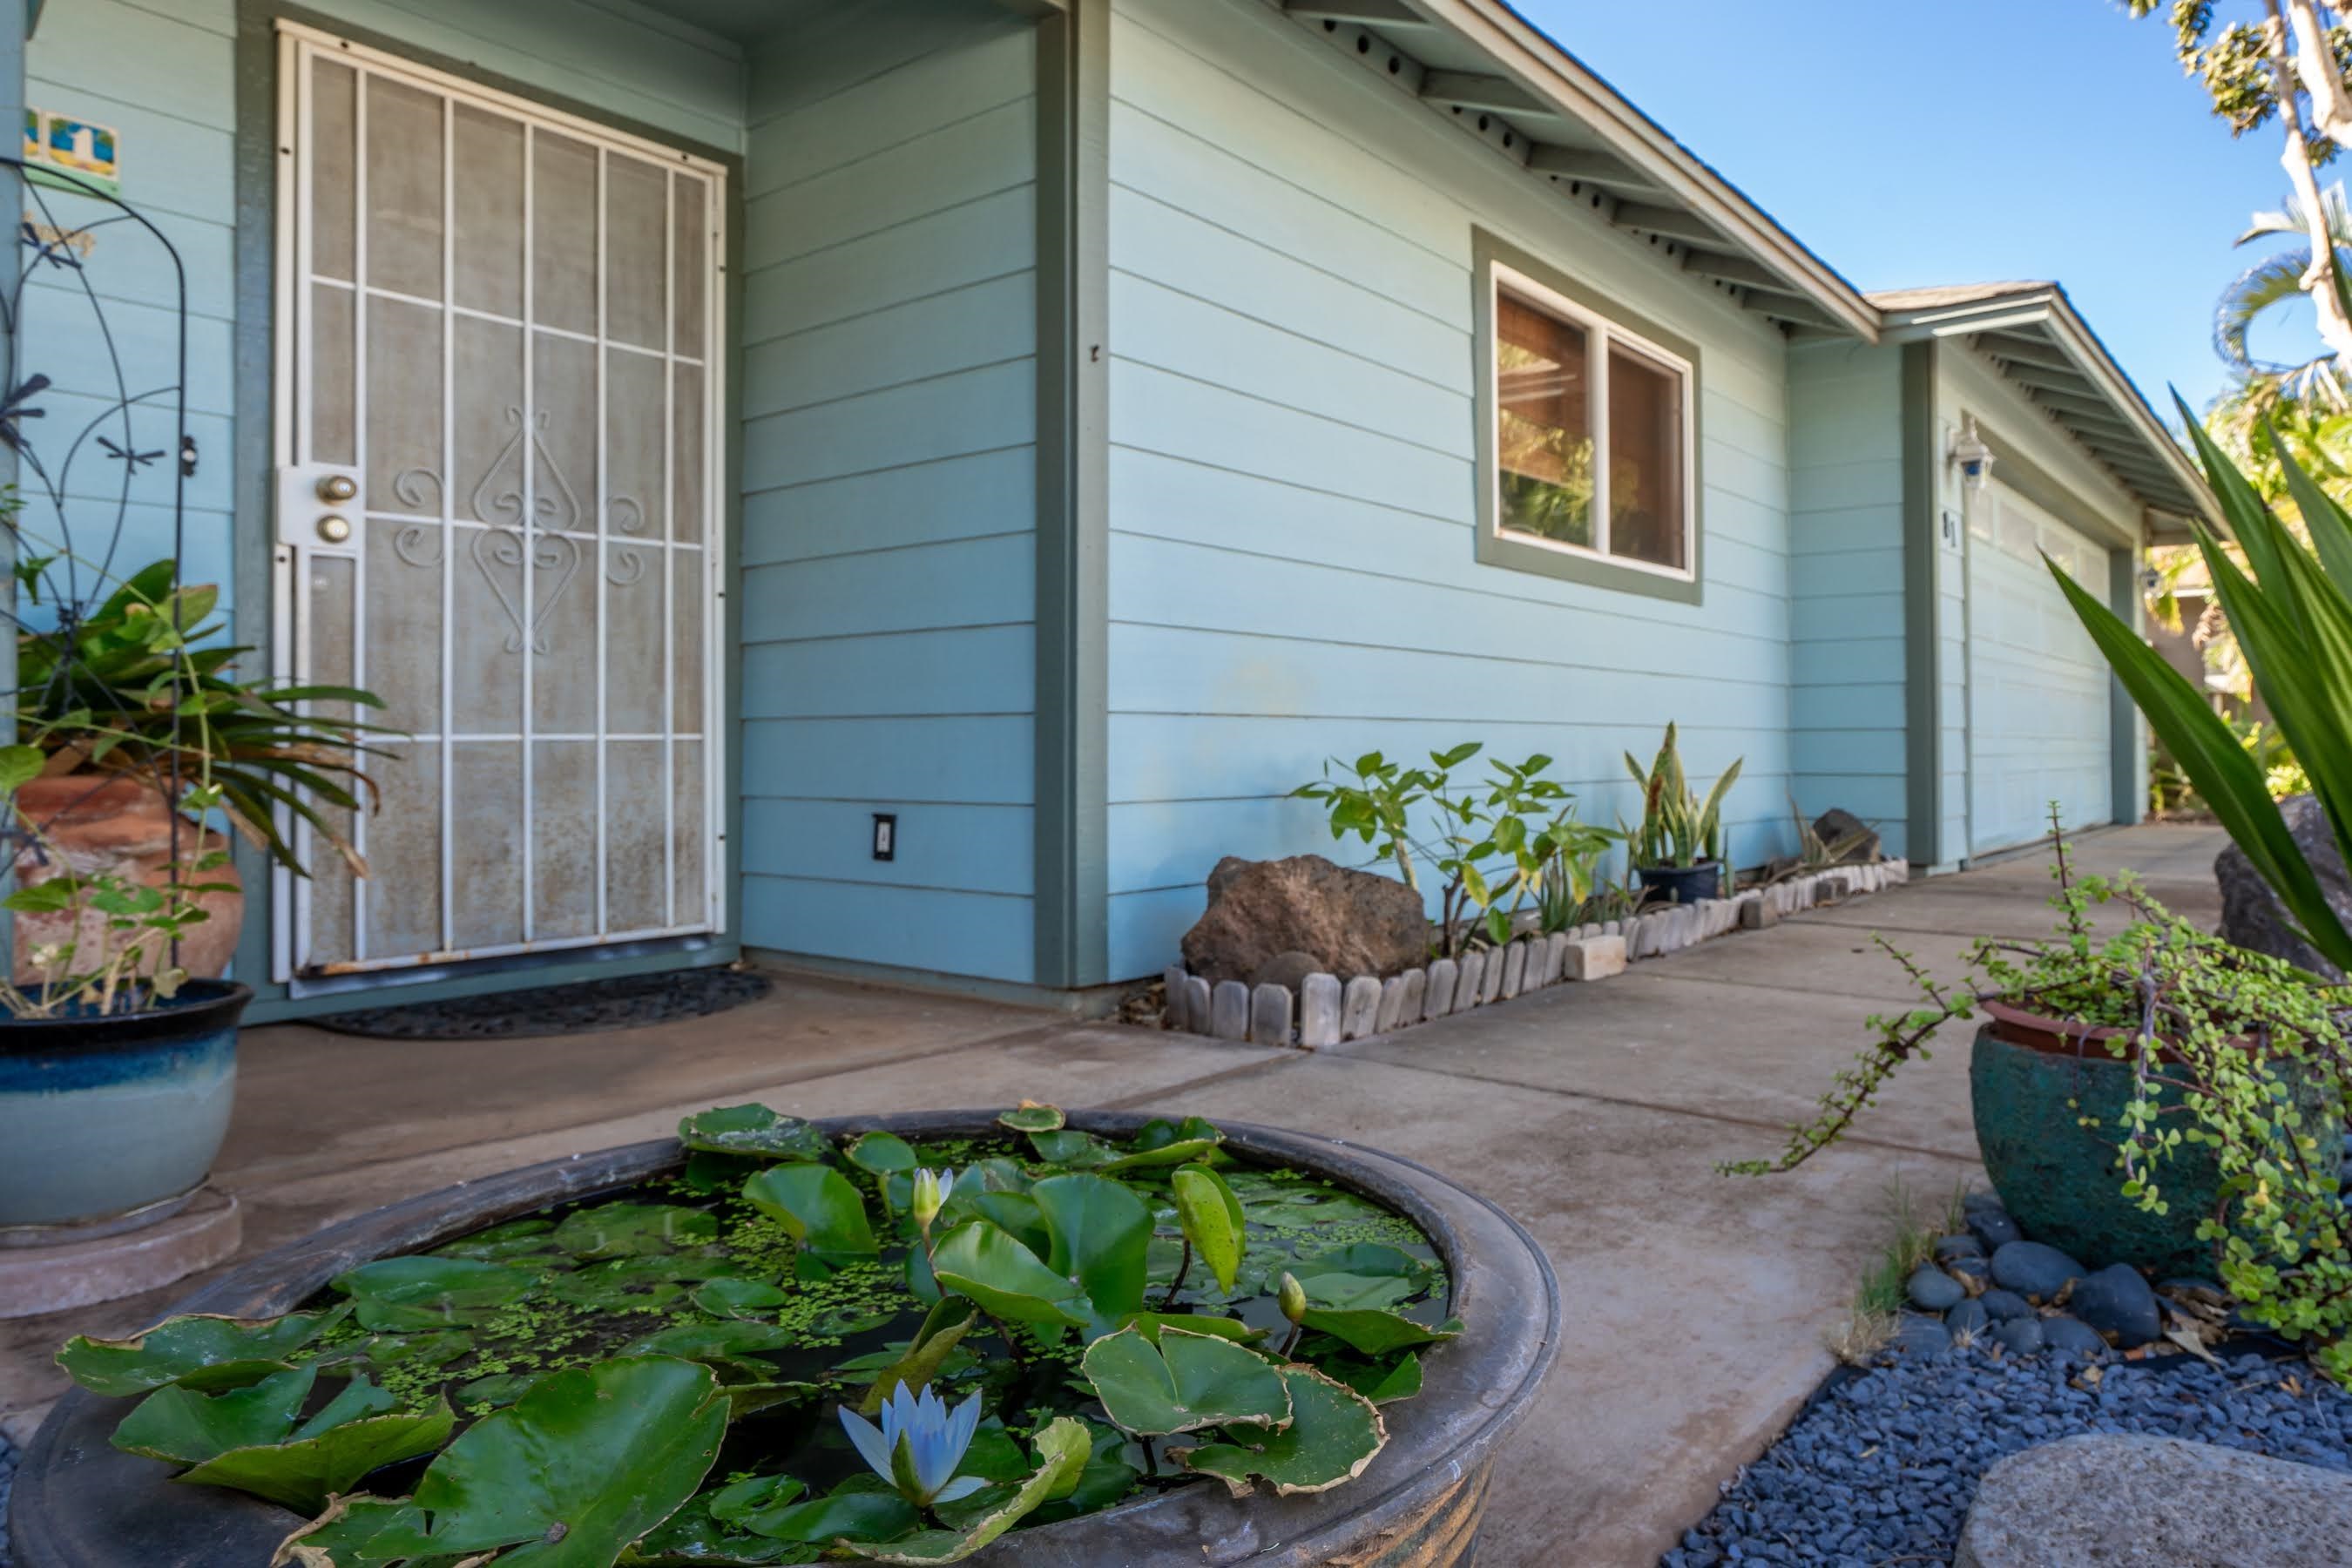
(1698, 1305)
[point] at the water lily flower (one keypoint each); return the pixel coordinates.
(1292, 1297)
(920, 1445)
(932, 1190)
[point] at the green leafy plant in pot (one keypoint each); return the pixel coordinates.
(1677, 849)
(138, 750)
(2159, 1098)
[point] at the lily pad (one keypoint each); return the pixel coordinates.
(530, 1236)
(741, 1501)
(1334, 1433)
(743, 1398)
(1373, 1333)
(739, 1298)
(1183, 1383)
(943, 1328)
(403, 1293)
(754, 1130)
(882, 1153)
(1004, 1277)
(1072, 1151)
(358, 1531)
(1100, 1231)
(1382, 1382)
(1030, 1117)
(1353, 1291)
(1194, 1323)
(198, 1351)
(1368, 1258)
(185, 1427)
(1063, 1449)
(1212, 1219)
(586, 1462)
(817, 1205)
(633, 1230)
(723, 1345)
(304, 1471)
(691, 1538)
(847, 1516)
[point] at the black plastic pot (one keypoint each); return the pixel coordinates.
(1683, 884)
(80, 1503)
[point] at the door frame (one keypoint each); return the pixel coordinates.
(269, 176)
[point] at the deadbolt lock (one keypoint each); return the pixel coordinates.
(338, 487)
(334, 529)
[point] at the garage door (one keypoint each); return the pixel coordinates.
(2038, 690)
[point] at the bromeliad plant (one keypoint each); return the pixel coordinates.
(801, 1348)
(1677, 828)
(2229, 1051)
(2290, 607)
(1501, 845)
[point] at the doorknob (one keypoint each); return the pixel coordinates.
(338, 487)
(334, 529)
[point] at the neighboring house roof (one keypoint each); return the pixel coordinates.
(2037, 338)
(1491, 71)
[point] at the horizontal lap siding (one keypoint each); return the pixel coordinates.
(1848, 709)
(164, 74)
(1292, 474)
(889, 476)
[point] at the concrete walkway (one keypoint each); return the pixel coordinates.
(1696, 1307)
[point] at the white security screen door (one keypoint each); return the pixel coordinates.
(498, 382)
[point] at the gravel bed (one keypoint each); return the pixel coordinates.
(7, 1474)
(1881, 1468)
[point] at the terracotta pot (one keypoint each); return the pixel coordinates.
(81, 1502)
(94, 823)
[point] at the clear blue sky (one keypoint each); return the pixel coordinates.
(1919, 142)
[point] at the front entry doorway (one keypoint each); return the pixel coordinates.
(498, 509)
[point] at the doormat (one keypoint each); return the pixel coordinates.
(627, 1002)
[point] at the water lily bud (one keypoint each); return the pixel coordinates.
(932, 1190)
(1293, 1297)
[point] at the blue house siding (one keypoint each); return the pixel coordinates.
(1846, 467)
(889, 488)
(1294, 474)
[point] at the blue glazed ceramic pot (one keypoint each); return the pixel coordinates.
(105, 1119)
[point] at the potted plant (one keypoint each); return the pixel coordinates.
(2159, 1097)
(116, 1050)
(1677, 850)
(1097, 1339)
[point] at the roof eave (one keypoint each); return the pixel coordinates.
(1557, 77)
(2050, 310)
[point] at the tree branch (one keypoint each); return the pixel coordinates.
(2315, 61)
(2319, 282)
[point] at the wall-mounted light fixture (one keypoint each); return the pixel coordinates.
(1969, 453)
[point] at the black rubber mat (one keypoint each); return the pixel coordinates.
(627, 1002)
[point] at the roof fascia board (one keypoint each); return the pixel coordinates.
(1562, 83)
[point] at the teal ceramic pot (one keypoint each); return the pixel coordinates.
(106, 1121)
(2031, 1082)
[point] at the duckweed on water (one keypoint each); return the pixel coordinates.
(667, 1368)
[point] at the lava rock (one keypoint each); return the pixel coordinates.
(2002, 1305)
(2071, 1334)
(1975, 1269)
(2034, 1271)
(2204, 1292)
(1933, 1290)
(2252, 914)
(1969, 1317)
(1850, 840)
(2118, 1303)
(1993, 1227)
(1962, 1245)
(2130, 1499)
(2021, 1336)
(1921, 1336)
(1353, 922)
(1288, 970)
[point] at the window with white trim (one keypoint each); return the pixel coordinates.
(1593, 437)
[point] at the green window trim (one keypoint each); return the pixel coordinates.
(1494, 260)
